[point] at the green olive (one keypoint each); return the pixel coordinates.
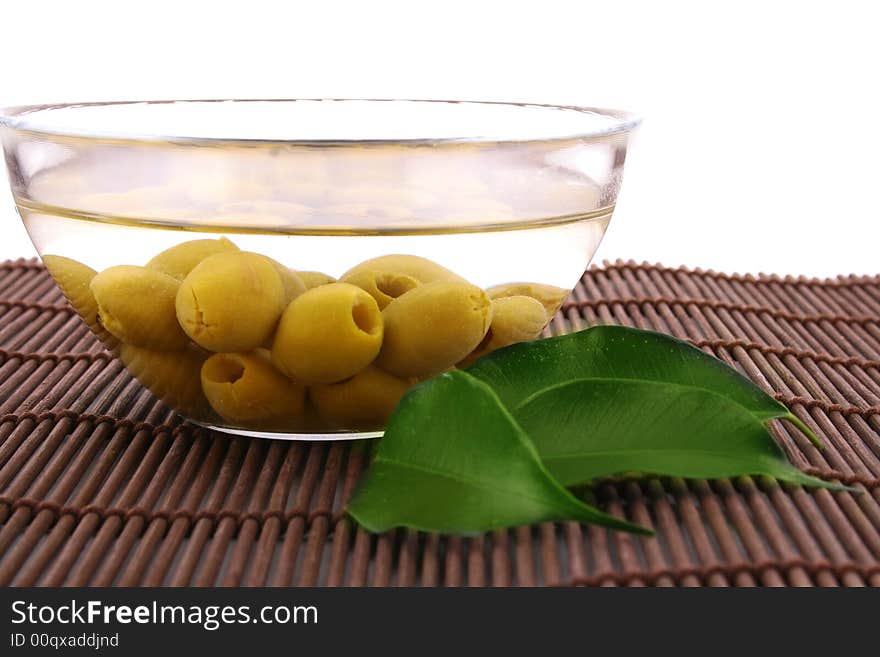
(364, 401)
(179, 260)
(74, 278)
(384, 287)
(245, 388)
(514, 319)
(328, 334)
(231, 302)
(293, 284)
(293, 287)
(315, 278)
(551, 297)
(136, 305)
(421, 269)
(173, 376)
(433, 327)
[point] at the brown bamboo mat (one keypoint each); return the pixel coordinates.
(100, 484)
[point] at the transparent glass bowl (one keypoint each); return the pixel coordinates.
(289, 268)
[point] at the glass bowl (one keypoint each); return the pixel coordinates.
(289, 268)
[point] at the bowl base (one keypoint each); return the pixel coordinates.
(307, 437)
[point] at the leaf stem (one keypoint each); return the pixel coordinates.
(796, 421)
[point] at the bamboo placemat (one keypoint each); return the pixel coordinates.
(101, 484)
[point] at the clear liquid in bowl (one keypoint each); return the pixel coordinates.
(538, 257)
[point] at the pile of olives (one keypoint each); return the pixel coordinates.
(219, 332)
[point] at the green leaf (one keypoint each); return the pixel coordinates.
(590, 428)
(618, 352)
(453, 460)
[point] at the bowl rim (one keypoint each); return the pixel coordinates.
(18, 118)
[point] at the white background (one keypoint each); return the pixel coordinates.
(759, 150)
